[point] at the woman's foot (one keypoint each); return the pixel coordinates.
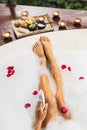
(38, 49)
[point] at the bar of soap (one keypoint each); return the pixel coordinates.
(22, 30)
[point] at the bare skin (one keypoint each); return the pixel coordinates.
(38, 49)
(52, 111)
(45, 86)
(40, 115)
(56, 75)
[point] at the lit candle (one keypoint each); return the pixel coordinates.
(7, 36)
(56, 15)
(62, 24)
(40, 19)
(25, 13)
(78, 20)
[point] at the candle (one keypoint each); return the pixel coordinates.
(56, 15)
(40, 19)
(25, 13)
(62, 25)
(7, 36)
(77, 22)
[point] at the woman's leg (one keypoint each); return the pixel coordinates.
(45, 87)
(52, 111)
(57, 77)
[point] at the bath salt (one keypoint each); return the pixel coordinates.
(19, 93)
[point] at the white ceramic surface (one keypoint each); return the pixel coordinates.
(17, 90)
(62, 41)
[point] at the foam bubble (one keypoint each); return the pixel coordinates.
(17, 90)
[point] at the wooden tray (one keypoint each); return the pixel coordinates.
(49, 27)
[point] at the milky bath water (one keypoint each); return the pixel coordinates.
(17, 90)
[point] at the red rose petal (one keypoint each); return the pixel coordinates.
(12, 72)
(9, 71)
(8, 75)
(27, 105)
(64, 110)
(10, 67)
(63, 67)
(69, 68)
(35, 92)
(81, 77)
